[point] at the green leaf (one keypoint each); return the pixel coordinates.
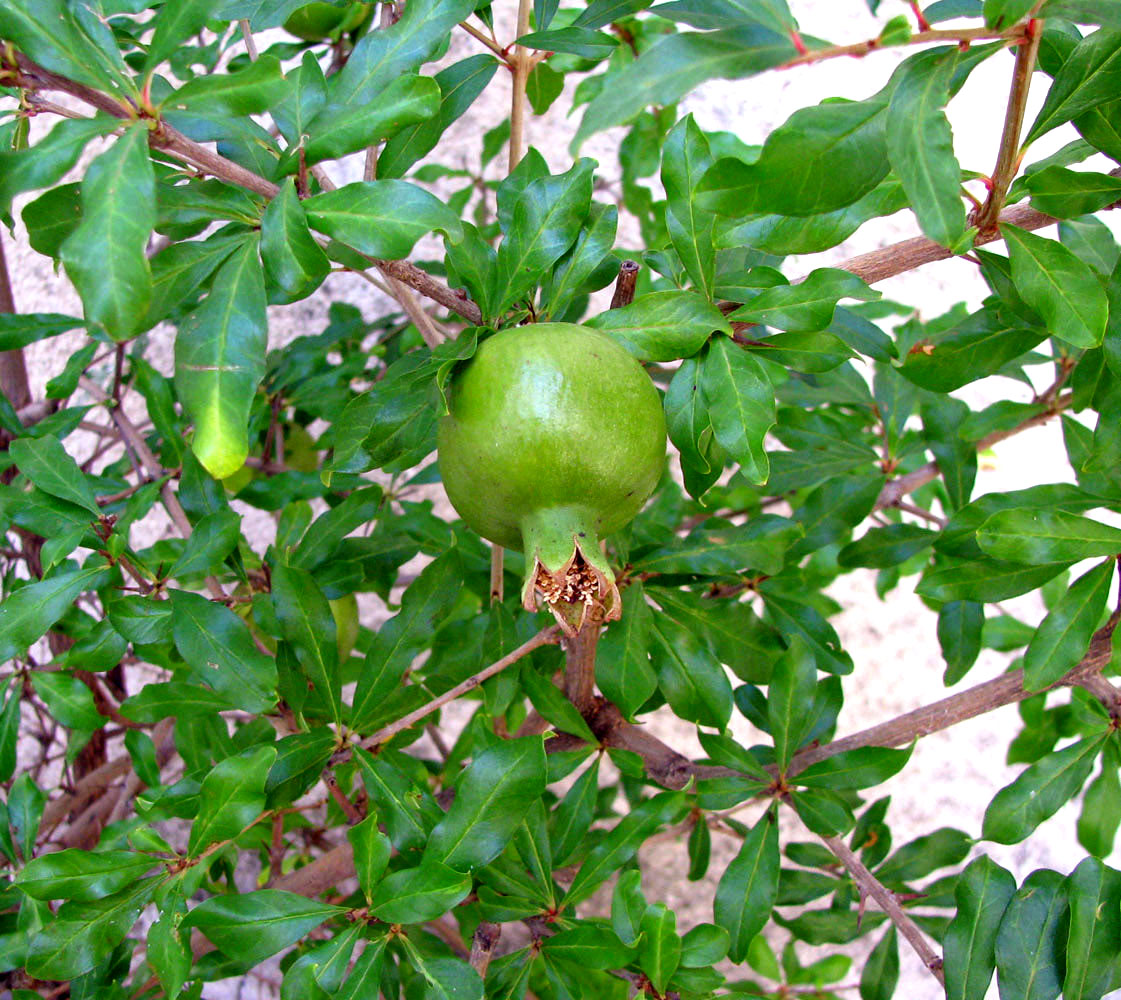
(881, 971)
(232, 797)
(1029, 943)
(704, 945)
(20, 330)
(741, 405)
(448, 978)
(790, 694)
(822, 159)
(9, 733)
(1067, 194)
(294, 263)
(663, 326)
(1002, 14)
(960, 628)
(575, 40)
(406, 810)
(424, 606)
(1092, 962)
(546, 220)
(82, 875)
(572, 818)
(382, 56)
(690, 676)
(220, 359)
(773, 14)
(807, 306)
(675, 64)
(984, 580)
(1040, 791)
(1090, 76)
(924, 855)
(175, 23)
(381, 218)
(623, 670)
(796, 620)
(214, 538)
(1101, 806)
(416, 895)
(592, 947)
(1046, 536)
(340, 129)
(882, 548)
(920, 144)
(27, 613)
(68, 700)
(659, 951)
(860, 768)
(1064, 635)
(685, 158)
(219, 647)
(982, 895)
(174, 698)
(104, 256)
(823, 811)
(251, 926)
(622, 843)
(84, 934)
(168, 954)
(46, 31)
(1058, 286)
(553, 706)
(251, 90)
(583, 261)
(748, 888)
(460, 84)
(476, 829)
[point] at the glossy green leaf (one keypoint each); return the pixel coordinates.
(622, 843)
(553, 706)
(741, 405)
(1039, 792)
(68, 700)
(807, 306)
(306, 621)
(924, 855)
(659, 951)
(822, 159)
(691, 678)
(81, 875)
(214, 538)
(1002, 14)
(294, 263)
(623, 670)
(1047, 536)
(1030, 958)
(663, 326)
(1063, 637)
(1058, 286)
(174, 698)
(381, 218)
(748, 888)
(881, 548)
(476, 830)
(1089, 77)
(920, 144)
(252, 926)
(250, 90)
(1067, 194)
(1092, 961)
(573, 816)
(685, 159)
(984, 580)
(174, 24)
(881, 971)
(676, 64)
(1101, 806)
(220, 359)
(982, 895)
(460, 84)
(591, 947)
(168, 953)
(960, 625)
(232, 797)
(104, 256)
(415, 895)
(789, 695)
(424, 605)
(860, 768)
(46, 463)
(26, 614)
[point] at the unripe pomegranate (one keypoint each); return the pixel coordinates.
(555, 438)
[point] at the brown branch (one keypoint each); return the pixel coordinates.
(869, 885)
(545, 637)
(1008, 159)
(580, 666)
(13, 367)
(924, 37)
(483, 943)
(521, 64)
(625, 284)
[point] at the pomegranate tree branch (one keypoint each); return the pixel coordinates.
(521, 65)
(168, 139)
(927, 36)
(869, 885)
(1008, 159)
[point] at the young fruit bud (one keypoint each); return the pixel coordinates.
(555, 437)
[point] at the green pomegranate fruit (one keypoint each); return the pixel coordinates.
(318, 21)
(555, 438)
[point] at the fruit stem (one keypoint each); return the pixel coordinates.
(580, 666)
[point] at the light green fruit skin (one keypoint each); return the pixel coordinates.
(555, 434)
(317, 21)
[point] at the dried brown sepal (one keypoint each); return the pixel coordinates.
(575, 591)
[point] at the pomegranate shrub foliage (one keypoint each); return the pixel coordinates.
(207, 766)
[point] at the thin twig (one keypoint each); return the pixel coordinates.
(521, 65)
(931, 36)
(1008, 159)
(250, 42)
(490, 43)
(625, 284)
(483, 943)
(869, 885)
